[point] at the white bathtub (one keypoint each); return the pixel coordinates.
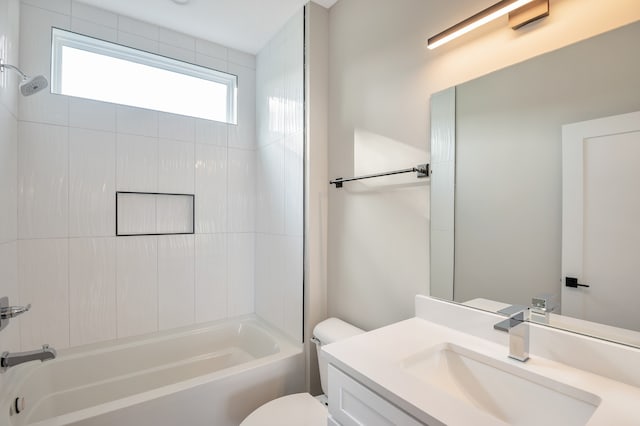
(211, 375)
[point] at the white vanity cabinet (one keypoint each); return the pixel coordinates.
(448, 366)
(352, 404)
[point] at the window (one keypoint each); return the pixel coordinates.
(95, 69)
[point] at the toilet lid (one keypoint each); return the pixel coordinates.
(300, 409)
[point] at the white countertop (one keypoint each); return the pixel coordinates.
(376, 360)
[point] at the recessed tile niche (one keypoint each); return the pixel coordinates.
(146, 213)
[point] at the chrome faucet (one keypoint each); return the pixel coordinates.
(7, 312)
(518, 329)
(12, 359)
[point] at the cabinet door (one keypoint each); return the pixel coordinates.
(352, 404)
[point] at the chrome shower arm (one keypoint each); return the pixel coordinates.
(11, 67)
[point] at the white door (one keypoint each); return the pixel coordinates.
(601, 220)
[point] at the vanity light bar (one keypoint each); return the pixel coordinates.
(489, 14)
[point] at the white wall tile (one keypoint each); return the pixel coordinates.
(293, 50)
(241, 252)
(9, 51)
(92, 289)
(94, 14)
(8, 176)
(279, 282)
(269, 278)
(293, 95)
(137, 163)
(59, 6)
(241, 58)
(177, 127)
(9, 288)
(280, 180)
(9, 33)
(138, 42)
(243, 135)
(178, 53)
(263, 76)
(270, 102)
(174, 214)
(210, 277)
(43, 274)
(92, 183)
(146, 283)
(92, 29)
(43, 197)
(211, 132)
(176, 39)
(137, 214)
(270, 188)
(211, 62)
(89, 114)
(292, 286)
(293, 184)
(140, 28)
(211, 49)
(176, 280)
(136, 121)
(242, 191)
(35, 58)
(137, 285)
(44, 107)
(176, 172)
(211, 189)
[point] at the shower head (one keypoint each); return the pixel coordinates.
(29, 85)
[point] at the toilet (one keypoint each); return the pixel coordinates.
(302, 409)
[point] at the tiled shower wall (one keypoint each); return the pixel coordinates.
(279, 168)
(9, 12)
(85, 284)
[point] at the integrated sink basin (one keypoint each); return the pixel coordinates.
(501, 389)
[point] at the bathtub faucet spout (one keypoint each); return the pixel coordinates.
(12, 359)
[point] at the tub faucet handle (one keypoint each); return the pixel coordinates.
(13, 311)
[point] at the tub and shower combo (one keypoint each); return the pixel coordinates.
(214, 374)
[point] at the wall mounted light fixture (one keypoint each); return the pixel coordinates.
(521, 12)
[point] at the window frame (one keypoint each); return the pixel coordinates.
(61, 38)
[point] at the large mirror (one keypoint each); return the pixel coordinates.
(497, 185)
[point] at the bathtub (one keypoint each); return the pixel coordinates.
(212, 375)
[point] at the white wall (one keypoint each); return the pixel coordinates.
(86, 285)
(9, 80)
(381, 78)
(279, 178)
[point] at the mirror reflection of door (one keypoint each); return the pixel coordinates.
(601, 230)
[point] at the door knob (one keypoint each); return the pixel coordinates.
(573, 283)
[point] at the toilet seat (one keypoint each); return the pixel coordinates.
(300, 409)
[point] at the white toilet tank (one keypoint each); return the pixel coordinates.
(329, 331)
(302, 408)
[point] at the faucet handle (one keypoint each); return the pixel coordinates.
(544, 303)
(13, 311)
(512, 310)
(516, 314)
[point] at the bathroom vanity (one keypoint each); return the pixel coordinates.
(448, 366)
